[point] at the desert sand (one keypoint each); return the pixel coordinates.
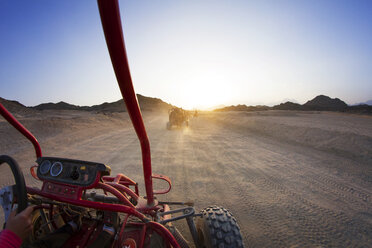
(292, 179)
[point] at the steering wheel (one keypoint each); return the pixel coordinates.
(8, 193)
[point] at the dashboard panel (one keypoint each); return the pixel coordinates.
(70, 171)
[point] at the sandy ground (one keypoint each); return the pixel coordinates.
(292, 179)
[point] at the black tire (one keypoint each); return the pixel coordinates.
(217, 228)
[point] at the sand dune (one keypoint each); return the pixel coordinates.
(292, 179)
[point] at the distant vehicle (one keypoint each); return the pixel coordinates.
(178, 117)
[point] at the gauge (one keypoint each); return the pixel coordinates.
(45, 167)
(74, 174)
(56, 169)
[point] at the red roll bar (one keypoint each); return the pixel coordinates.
(13, 121)
(111, 23)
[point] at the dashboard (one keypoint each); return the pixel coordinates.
(70, 171)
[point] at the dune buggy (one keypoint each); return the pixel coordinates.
(74, 189)
(178, 117)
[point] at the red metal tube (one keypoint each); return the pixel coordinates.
(123, 225)
(143, 236)
(127, 182)
(116, 193)
(111, 23)
(119, 177)
(124, 189)
(89, 204)
(13, 121)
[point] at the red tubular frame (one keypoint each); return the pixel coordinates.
(17, 125)
(122, 180)
(111, 23)
(90, 204)
(115, 192)
(124, 189)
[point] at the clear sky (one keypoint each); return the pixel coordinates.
(189, 53)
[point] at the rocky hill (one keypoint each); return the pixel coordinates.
(152, 104)
(15, 107)
(360, 109)
(322, 102)
(288, 106)
(146, 104)
(57, 106)
(117, 106)
(243, 108)
(319, 103)
(364, 103)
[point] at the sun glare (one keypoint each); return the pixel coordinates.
(205, 93)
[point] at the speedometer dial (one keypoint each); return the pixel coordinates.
(45, 167)
(56, 169)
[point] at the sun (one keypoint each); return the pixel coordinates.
(204, 93)
(203, 96)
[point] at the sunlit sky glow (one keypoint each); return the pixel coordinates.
(189, 53)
